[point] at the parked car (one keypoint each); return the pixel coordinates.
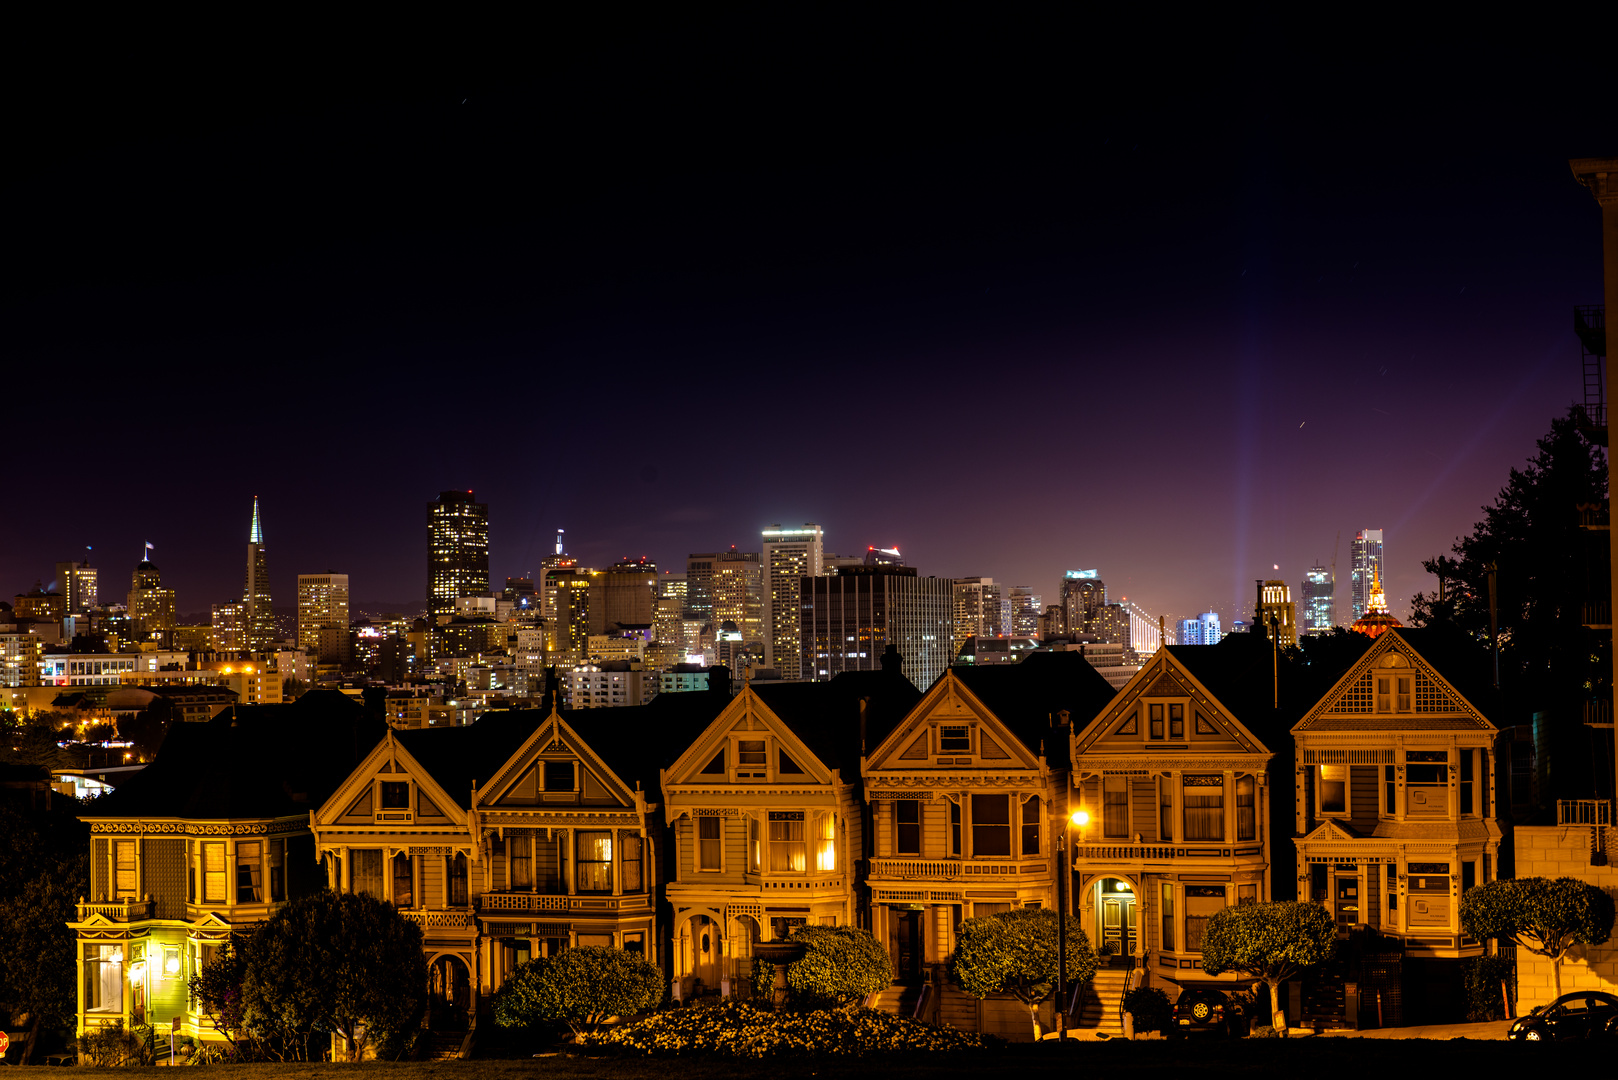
(1586, 1014)
(1200, 1011)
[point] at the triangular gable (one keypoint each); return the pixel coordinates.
(518, 782)
(353, 802)
(1165, 677)
(950, 701)
(745, 712)
(1352, 701)
(1327, 832)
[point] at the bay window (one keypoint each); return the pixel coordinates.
(594, 866)
(1030, 825)
(629, 851)
(907, 827)
(366, 874)
(404, 880)
(125, 880)
(1115, 807)
(708, 843)
(991, 825)
(788, 850)
(1246, 808)
(213, 873)
(248, 872)
(1204, 798)
(826, 843)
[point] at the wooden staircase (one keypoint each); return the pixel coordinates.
(1099, 1003)
(444, 1045)
(899, 998)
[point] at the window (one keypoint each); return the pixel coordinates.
(1114, 807)
(1333, 789)
(991, 825)
(1176, 721)
(190, 883)
(956, 739)
(125, 881)
(1469, 876)
(1384, 693)
(1389, 799)
(1204, 807)
(520, 860)
(213, 873)
(1201, 903)
(1030, 825)
(708, 843)
(1466, 781)
(635, 943)
(595, 861)
(907, 827)
(1155, 720)
(104, 978)
(559, 776)
(457, 880)
(826, 849)
(1165, 809)
(750, 754)
(1426, 780)
(248, 869)
(954, 827)
(629, 852)
(395, 794)
(1246, 894)
(1391, 877)
(278, 870)
(367, 871)
(1168, 918)
(404, 880)
(788, 853)
(983, 907)
(755, 846)
(1402, 683)
(1246, 808)
(782, 927)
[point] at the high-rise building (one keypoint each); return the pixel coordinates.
(77, 584)
(457, 550)
(624, 597)
(851, 618)
(261, 633)
(567, 634)
(1318, 600)
(728, 586)
(1084, 594)
(1367, 564)
(977, 611)
(789, 555)
(1202, 630)
(151, 607)
(1023, 608)
(1277, 613)
(229, 628)
(323, 616)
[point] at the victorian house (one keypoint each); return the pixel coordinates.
(1396, 807)
(210, 839)
(766, 823)
(505, 840)
(1177, 785)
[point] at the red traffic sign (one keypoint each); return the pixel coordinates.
(5, 1042)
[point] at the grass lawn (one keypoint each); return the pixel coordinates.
(1297, 1059)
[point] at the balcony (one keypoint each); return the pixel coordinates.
(1584, 812)
(950, 869)
(505, 904)
(121, 911)
(457, 919)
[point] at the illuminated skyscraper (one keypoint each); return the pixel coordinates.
(457, 550)
(1023, 609)
(977, 611)
(151, 607)
(624, 597)
(1084, 594)
(1318, 600)
(260, 619)
(1277, 613)
(1367, 564)
(77, 584)
(789, 554)
(323, 616)
(851, 618)
(1202, 630)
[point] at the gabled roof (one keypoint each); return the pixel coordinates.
(826, 715)
(1212, 724)
(951, 701)
(251, 761)
(1329, 831)
(1028, 697)
(522, 773)
(1443, 661)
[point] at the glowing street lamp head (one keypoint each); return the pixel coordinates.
(1081, 818)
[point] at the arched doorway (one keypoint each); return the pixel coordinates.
(1110, 914)
(449, 994)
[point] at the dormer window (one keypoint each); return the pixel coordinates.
(1154, 715)
(752, 759)
(1176, 721)
(395, 794)
(559, 776)
(954, 739)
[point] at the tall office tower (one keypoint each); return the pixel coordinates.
(567, 634)
(77, 584)
(668, 624)
(1025, 606)
(789, 554)
(977, 611)
(624, 597)
(457, 550)
(1111, 626)
(1367, 563)
(1317, 591)
(1202, 630)
(560, 560)
(323, 616)
(1277, 613)
(229, 632)
(261, 633)
(151, 607)
(699, 586)
(851, 618)
(1083, 596)
(727, 585)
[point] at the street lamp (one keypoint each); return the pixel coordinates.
(1081, 818)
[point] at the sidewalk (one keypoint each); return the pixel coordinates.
(1492, 1029)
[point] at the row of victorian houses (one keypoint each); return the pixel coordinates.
(702, 824)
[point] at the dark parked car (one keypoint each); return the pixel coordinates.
(1587, 1014)
(1200, 1011)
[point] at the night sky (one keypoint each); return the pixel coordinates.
(1018, 297)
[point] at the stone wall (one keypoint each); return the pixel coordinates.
(1564, 851)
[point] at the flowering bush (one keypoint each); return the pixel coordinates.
(738, 1030)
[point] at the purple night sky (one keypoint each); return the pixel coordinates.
(960, 289)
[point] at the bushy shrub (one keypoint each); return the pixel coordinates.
(738, 1030)
(107, 1046)
(1485, 997)
(841, 965)
(763, 983)
(1265, 1032)
(1150, 1008)
(580, 987)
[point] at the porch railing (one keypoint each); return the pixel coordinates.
(1583, 812)
(118, 910)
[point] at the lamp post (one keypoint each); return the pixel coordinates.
(1081, 819)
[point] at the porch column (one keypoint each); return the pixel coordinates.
(1229, 801)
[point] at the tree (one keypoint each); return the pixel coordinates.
(1014, 952)
(841, 966)
(217, 990)
(582, 988)
(45, 869)
(1545, 916)
(1270, 942)
(336, 962)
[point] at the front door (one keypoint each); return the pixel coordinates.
(450, 997)
(905, 944)
(1347, 891)
(1118, 924)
